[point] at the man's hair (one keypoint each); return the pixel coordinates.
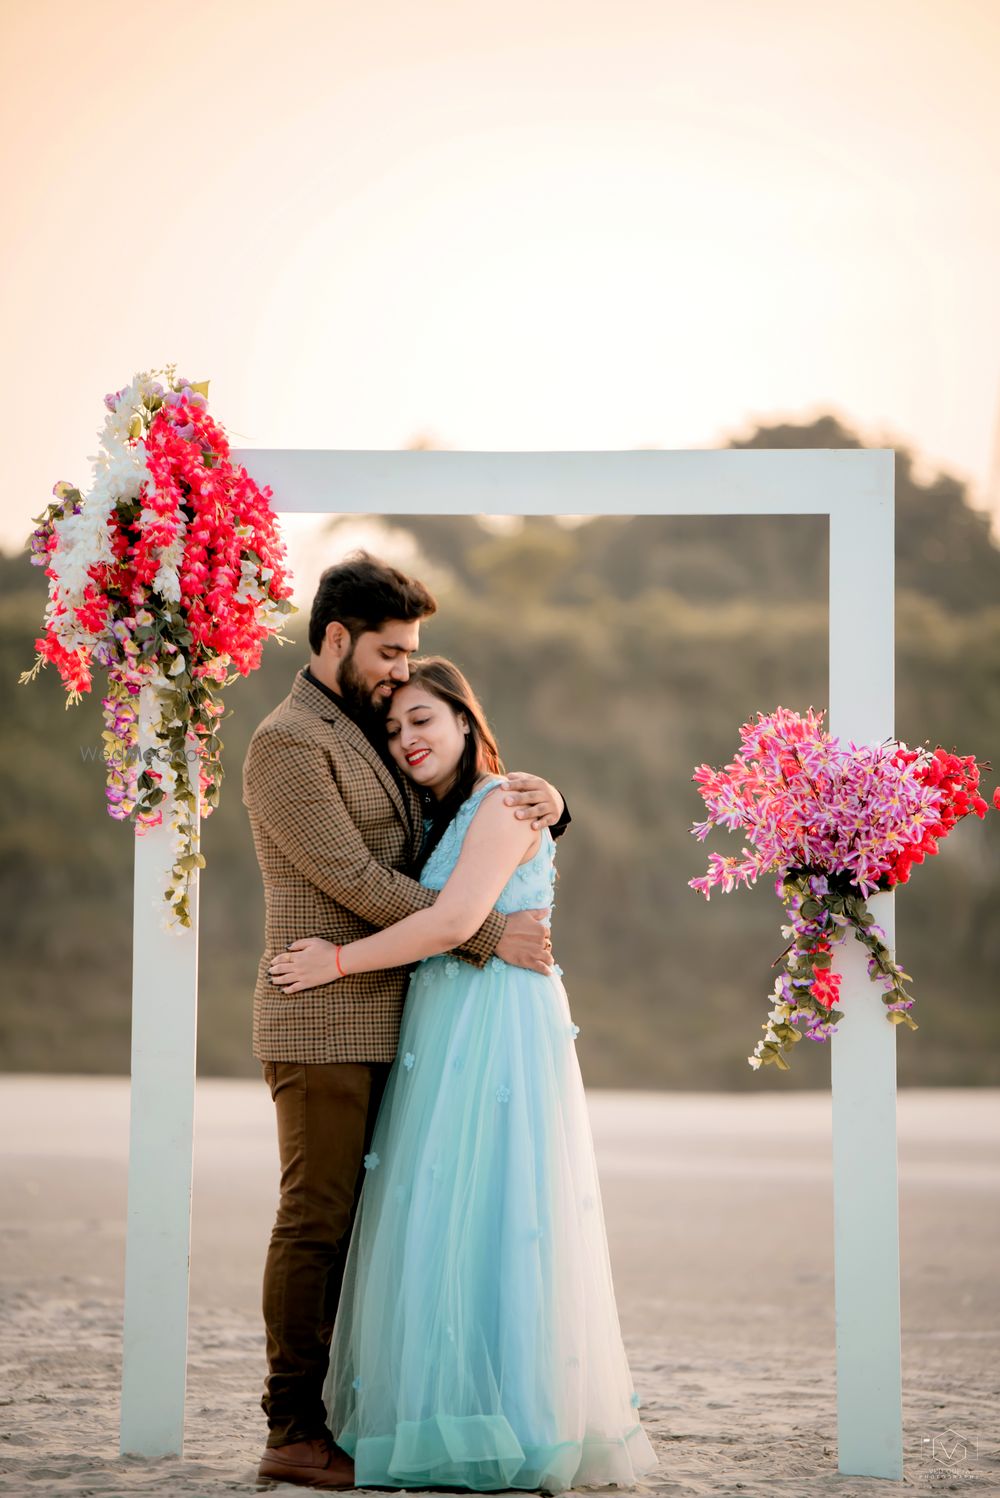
(362, 592)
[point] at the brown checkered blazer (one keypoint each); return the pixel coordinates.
(332, 833)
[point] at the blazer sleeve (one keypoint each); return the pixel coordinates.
(288, 786)
(558, 828)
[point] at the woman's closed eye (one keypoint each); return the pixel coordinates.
(393, 733)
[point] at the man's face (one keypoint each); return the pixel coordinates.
(377, 663)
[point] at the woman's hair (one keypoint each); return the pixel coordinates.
(443, 679)
(362, 592)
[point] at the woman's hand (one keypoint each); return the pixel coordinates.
(305, 963)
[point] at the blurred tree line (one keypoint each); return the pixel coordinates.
(613, 656)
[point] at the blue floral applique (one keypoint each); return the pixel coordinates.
(503, 1094)
(557, 970)
(635, 1400)
(408, 1060)
(574, 1030)
(497, 963)
(450, 968)
(356, 1383)
(370, 1161)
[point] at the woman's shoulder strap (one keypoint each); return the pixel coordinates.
(472, 802)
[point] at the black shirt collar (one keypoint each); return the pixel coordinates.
(341, 702)
(349, 708)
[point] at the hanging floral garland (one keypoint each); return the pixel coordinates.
(837, 825)
(169, 573)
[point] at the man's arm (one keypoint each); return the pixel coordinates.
(287, 784)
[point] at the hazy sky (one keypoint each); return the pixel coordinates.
(550, 225)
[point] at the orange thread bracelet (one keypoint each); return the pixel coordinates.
(340, 970)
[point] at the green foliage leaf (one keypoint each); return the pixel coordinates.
(190, 861)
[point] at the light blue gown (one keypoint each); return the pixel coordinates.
(477, 1341)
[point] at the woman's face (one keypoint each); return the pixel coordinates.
(426, 737)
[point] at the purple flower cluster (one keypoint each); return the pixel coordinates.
(832, 821)
(803, 801)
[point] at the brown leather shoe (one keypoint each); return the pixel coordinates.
(311, 1464)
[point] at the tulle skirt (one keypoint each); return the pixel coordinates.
(477, 1342)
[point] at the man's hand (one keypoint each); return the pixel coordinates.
(526, 941)
(533, 797)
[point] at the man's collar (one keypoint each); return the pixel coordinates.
(335, 697)
(315, 694)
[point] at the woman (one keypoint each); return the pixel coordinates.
(477, 1343)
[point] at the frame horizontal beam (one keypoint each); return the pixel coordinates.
(641, 481)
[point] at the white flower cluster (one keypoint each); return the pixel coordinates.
(248, 589)
(270, 617)
(84, 538)
(167, 580)
(781, 1011)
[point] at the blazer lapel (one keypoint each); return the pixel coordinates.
(408, 806)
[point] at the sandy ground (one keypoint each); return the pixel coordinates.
(719, 1212)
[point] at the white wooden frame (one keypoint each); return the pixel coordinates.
(855, 489)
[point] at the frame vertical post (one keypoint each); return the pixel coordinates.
(161, 1140)
(854, 487)
(863, 1052)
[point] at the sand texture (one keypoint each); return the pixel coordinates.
(720, 1217)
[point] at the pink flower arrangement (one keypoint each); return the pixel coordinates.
(836, 824)
(170, 573)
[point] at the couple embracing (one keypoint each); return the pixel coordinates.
(438, 1302)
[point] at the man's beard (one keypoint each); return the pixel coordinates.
(370, 711)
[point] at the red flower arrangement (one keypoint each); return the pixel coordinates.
(170, 573)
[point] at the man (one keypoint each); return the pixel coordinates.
(337, 832)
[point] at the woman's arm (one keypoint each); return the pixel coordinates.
(495, 843)
(290, 793)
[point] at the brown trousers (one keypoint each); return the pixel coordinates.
(326, 1113)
